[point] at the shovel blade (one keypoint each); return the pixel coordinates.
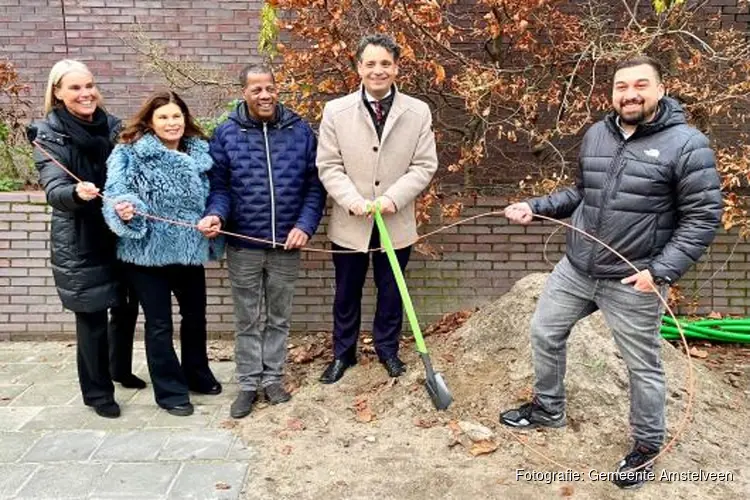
(437, 389)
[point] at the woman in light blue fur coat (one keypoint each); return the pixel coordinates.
(160, 169)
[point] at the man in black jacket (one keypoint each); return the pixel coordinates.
(647, 185)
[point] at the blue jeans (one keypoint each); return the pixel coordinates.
(263, 280)
(634, 318)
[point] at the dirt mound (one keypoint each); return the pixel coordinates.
(370, 436)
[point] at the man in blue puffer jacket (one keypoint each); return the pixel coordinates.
(264, 185)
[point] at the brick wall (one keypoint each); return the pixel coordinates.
(479, 261)
(222, 35)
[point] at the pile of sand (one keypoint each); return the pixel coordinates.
(370, 436)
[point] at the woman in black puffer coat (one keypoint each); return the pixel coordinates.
(79, 134)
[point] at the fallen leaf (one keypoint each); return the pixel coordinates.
(305, 354)
(482, 447)
(448, 323)
(363, 412)
(228, 424)
(453, 425)
(295, 424)
(566, 490)
(222, 486)
(439, 73)
(425, 423)
(292, 386)
(714, 315)
(367, 349)
(695, 352)
(424, 248)
(525, 394)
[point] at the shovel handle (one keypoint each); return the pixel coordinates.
(385, 240)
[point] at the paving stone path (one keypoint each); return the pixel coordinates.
(52, 446)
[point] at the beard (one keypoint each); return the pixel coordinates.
(639, 117)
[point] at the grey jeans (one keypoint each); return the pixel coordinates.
(634, 319)
(261, 277)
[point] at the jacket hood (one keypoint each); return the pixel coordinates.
(669, 114)
(282, 118)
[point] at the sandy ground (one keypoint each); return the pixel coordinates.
(370, 436)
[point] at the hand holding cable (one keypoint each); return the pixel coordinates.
(210, 226)
(86, 191)
(125, 210)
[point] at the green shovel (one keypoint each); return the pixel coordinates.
(436, 388)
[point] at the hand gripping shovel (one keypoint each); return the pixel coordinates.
(436, 388)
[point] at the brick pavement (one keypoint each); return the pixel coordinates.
(52, 446)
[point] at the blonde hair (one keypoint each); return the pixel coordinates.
(56, 74)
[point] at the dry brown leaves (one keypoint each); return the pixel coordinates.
(449, 322)
(303, 354)
(362, 411)
(427, 249)
(221, 485)
(483, 448)
(425, 423)
(698, 353)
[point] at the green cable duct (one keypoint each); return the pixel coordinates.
(734, 330)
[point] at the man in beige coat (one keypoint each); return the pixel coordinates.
(376, 145)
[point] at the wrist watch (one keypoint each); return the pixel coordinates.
(660, 280)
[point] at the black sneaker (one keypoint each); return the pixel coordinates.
(628, 478)
(532, 415)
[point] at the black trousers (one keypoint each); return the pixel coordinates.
(92, 357)
(154, 287)
(105, 351)
(122, 320)
(351, 271)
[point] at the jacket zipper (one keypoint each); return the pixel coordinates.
(270, 183)
(608, 182)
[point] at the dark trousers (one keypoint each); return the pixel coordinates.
(121, 331)
(92, 357)
(154, 287)
(105, 352)
(351, 270)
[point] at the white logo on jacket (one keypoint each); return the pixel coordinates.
(653, 153)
